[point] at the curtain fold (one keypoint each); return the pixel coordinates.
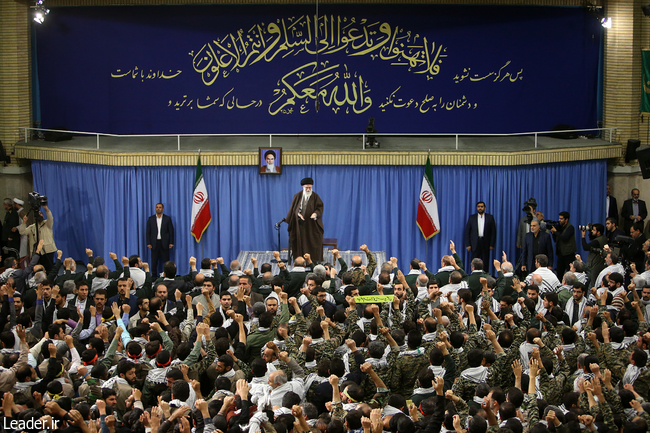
(106, 208)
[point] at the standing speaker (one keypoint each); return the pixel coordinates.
(632, 146)
(643, 154)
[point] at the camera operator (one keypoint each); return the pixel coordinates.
(634, 251)
(524, 223)
(564, 236)
(45, 234)
(595, 260)
(612, 230)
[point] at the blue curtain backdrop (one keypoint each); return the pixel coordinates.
(106, 208)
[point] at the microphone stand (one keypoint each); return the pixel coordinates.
(277, 226)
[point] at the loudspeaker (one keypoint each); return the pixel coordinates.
(57, 136)
(632, 146)
(643, 154)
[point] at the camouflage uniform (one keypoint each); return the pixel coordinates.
(454, 321)
(424, 307)
(353, 326)
(507, 378)
(608, 357)
(553, 393)
(201, 366)
(281, 316)
(326, 348)
(313, 314)
(338, 331)
(294, 340)
(385, 373)
(358, 276)
(463, 411)
(551, 338)
(377, 401)
(466, 389)
(405, 372)
(604, 408)
(531, 409)
(399, 317)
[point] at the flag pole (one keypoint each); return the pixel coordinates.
(426, 242)
(427, 216)
(201, 243)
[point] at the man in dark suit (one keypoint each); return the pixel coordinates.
(634, 252)
(81, 301)
(481, 235)
(634, 210)
(610, 205)
(160, 238)
(536, 242)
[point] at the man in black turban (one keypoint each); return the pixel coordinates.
(305, 219)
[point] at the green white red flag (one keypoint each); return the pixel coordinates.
(427, 217)
(201, 216)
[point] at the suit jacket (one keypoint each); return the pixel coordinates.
(627, 211)
(545, 246)
(612, 211)
(11, 221)
(474, 283)
(72, 306)
(166, 231)
(634, 252)
(521, 230)
(294, 280)
(489, 231)
(565, 240)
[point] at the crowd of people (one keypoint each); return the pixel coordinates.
(114, 347)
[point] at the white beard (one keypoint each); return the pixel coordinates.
(306, 195)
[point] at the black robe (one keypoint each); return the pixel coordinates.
(306, 236)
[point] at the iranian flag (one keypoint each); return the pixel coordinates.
(427, 218)
(200, 205)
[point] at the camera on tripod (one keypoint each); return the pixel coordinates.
(36, 200)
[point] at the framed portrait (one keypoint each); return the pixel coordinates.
(270, 160)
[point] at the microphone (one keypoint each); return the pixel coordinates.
(277, 225)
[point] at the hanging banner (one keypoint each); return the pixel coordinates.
(645, 93)
(282, 69)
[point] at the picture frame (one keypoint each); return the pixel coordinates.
(270, 160)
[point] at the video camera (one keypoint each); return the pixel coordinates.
(551, 223)
(36, 200)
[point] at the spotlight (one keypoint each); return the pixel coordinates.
(606, 22)
(646, 10)
(40, 11)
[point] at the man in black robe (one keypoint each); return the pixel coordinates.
(306, 223)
